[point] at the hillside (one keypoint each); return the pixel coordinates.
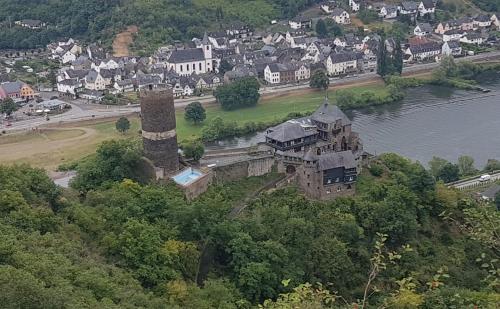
(123, 244)
(159, 21)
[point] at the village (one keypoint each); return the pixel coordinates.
(289, 56)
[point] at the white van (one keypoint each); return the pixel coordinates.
(485, 177)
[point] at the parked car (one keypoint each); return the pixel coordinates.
(485, 177)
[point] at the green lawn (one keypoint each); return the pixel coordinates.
(266, 110)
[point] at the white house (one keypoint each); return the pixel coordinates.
(340, 16)
(482, 21)
(422, 29)
(327, 7)
(388, 11)
(341, 63)
(408, 8)
(451, 48)
(193, 60)
(426, 7)
(453, 35)
(472, 38)
(340, 42)
(300, 23)
(423, 51)
(302, 72)
(94, 81)
(68, 87)
(272, 73)
(354, 5)
(123, 86)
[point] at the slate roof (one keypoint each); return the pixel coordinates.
(12, 87)
(91, 76)
(289, 131)
(338, 11)
(454, 31)
(409, 5)
(453, 44)
(332, 160)
(482, 18)
(69, 82)
(343, 57)
(425, 27)
(428, 4)
(186, 55)
(425, 47)
(328, 113)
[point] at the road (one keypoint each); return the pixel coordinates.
(472, 182)
(84, 111)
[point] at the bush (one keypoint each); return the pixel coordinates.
(193, 150)
(376, 170)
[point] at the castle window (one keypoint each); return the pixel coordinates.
(208, 47)
(200, 66)
(194, 67)
(181, 68)
(308, 184)
(339, 189)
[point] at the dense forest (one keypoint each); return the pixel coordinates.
(113, 241)
(159, 21)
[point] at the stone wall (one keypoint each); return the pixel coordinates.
(245, 168)
(196, 188)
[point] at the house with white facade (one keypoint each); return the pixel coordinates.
(341, 63)
(453, 35)
(327, 7)
(422, 29)
(472, 38)
(94, 81)
(408, 8)
(426, 7)
(451, 48)
(300, 22)
(68, 87)
(123, 86)
(355, 5)
(388, 11)
(423, 51)
(340, 16)
(482, 21)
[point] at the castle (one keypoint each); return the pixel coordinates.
(321, 151)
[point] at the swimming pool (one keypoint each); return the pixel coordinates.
(187, 176)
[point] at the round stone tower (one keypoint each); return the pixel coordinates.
(158, 129)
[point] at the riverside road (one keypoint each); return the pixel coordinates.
(82, 111)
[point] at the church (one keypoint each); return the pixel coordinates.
(192, 60)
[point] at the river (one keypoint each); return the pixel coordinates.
(429, 121)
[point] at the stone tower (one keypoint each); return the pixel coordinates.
(158, 129)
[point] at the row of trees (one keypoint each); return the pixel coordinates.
(449, 172)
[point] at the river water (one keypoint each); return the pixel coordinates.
(430, 121)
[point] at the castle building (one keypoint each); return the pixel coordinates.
(321, 151)
(158, 130)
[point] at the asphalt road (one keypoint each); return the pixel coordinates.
(84, 111)
(467, 183)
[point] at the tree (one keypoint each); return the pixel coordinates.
(492, 165)
(466, 166)
(319, 80)
(224, 66)
(497, 200)
(122, 125)
(321, 29)
(241, 93)
(397, 58)
(114, 160)
(195, 113)
(8, 106)
(382, 58)
(436, 164)
(194, 150)
(449, 173)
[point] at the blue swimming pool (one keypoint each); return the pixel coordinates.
(187, 176)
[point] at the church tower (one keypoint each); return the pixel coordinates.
(207, 52)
